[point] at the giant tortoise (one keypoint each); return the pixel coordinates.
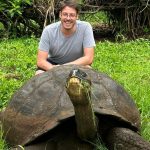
(69, 108)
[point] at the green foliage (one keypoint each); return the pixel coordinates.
(2, 142)
(18, 62)
(95, 18)
(11, 15)
(99, 145)
(13, 7)
(2, 30)
(2, 26)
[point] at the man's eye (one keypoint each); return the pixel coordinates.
(71, 15)
(65, 14)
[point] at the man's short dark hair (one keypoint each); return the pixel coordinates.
(70, 3)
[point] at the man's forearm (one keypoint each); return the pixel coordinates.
(45, 65)
(81, 61)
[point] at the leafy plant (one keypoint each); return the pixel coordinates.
(11, 14)
(18, 63)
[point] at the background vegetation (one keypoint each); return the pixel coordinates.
(126, 62)
(28, 17)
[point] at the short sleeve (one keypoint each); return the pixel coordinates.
(89, 40)
(44, 43)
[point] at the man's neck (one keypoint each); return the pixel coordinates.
(68, 32)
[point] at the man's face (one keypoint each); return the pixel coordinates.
(68, 17)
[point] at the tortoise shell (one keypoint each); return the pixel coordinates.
(42, 103)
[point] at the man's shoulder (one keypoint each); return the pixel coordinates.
(53, 26)
(83, 23)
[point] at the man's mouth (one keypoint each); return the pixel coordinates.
(68, 23)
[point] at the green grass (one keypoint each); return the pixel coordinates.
(127, 62)
(18, 59)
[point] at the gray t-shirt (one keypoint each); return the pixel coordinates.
(63, 49)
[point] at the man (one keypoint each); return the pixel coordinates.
(68, 41)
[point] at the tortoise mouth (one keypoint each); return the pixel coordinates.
(74, 86)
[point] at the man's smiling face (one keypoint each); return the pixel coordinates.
(68, 17)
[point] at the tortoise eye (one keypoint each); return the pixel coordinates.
(78, 73)
(82, 74)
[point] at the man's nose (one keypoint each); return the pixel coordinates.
(68, 17)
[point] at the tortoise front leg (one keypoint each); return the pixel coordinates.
(126, 139)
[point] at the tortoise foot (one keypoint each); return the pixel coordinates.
(126, 139)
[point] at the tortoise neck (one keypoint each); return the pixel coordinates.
(86, 121)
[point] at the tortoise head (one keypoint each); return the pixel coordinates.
(78, 86)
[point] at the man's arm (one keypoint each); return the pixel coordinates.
(42, 60)
(87, 58)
